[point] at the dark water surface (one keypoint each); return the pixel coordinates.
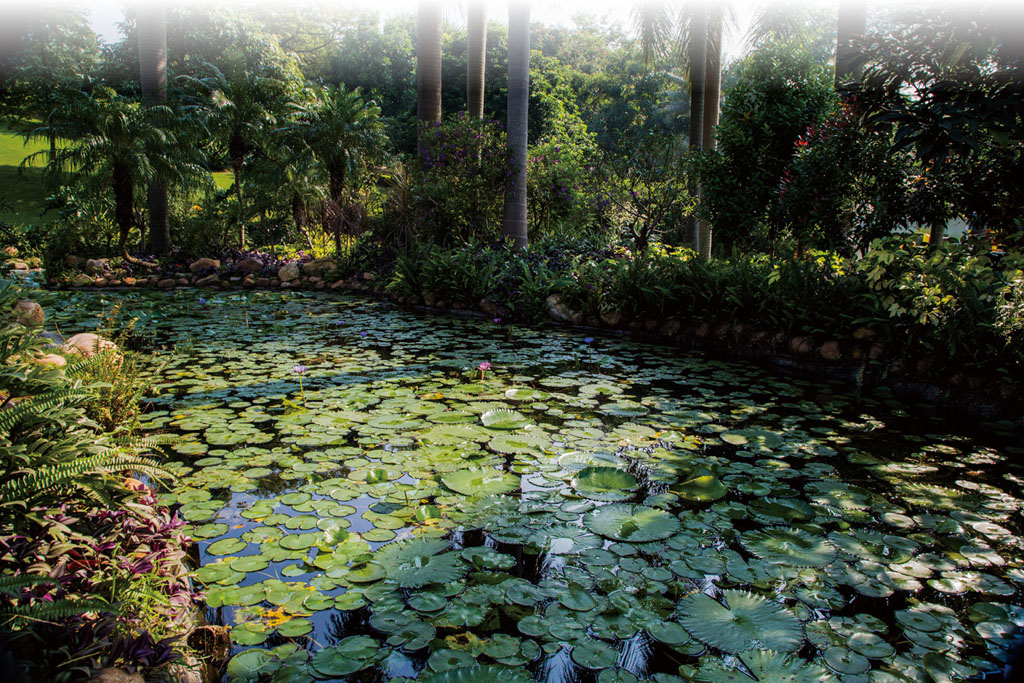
(369, 505)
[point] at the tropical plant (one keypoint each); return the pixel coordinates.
(343, 133)
(114, 149)
(151, 27)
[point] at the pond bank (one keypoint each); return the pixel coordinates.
(864, 361)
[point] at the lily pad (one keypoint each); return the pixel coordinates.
(743, 621)
(632, 523)
(604, 483)
(480, 481)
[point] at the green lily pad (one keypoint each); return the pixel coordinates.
(632, 523)
(744, 622)
(504, 419)
(604, 483)
(480, 481)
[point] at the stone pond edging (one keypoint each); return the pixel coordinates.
(864, 360)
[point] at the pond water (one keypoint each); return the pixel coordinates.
(369, 505)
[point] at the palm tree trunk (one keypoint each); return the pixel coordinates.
(428, 68)
(476, 56)
(152, 35)
(698, 64)
(514, 219)
(852, 22)
(236, 169)
(712, 96)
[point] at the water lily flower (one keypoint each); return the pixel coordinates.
(588, 340)
(202, 301)
(497, 321)
(299, 369)
(363, 333)
(483, 368)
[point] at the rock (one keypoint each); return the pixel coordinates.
(321, 284)
(183, 281)
(652, 324)
(557, 310)
(671, 328)
(263, 282)
(87, 344)
(864, 333)
(81, 280)
(487, 307)
(429, 298)
(11, 251)
(113, 283)
(129, 281)
(166, 283)
(369, 276)
(876, 351)
(72, 261)
(248, 281)
(800, 346)
(96, 265)
(19, 265)
(703, 330)
(99, 282)
(204, 265)
(288, 272)
(338, 284)
(830, 350)
(612, 318)
(115, 675)
(249, 265)
(208, 281)
(53, 359)
(319, 266)
(29, 313)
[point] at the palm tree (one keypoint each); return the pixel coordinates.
(712, 105)
(655, 23)
(428, 67)
(344, 134)
(697, 52)
(514, 222)
(112, 139)
(476, 55)
(151, 28)
(239, 108)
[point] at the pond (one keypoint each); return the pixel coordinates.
(369, 504)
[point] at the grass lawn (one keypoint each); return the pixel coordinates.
(22, 193)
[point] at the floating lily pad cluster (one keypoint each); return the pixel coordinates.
(620, 510)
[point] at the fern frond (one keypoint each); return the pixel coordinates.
(59, 609)
(38, 405)
(12, 585)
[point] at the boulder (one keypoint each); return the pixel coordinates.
(99, 282)
(487, 306)
(864, 333)
(319, 266)
(29, 313)
(166, 283)
(671, 328)
(800, 346)
(288, 272)
(369, 276)
(19, 265)
(557, 310)
(96, 265)
(129, 281)
(830, 350)
(203, 265)
(183, 282)
(87, 344)
(81, 280)
(113, 283)
(248, 281)
(53, 359)
(611, 318)
(115, 675)
(263, 282)
(208, 281)
(249, 265)
(11, 252)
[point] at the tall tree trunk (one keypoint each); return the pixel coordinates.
(852, 22)
(124, 199)
(698, 49)
(712, 95)
(514, 219)
(428, 68)
(236, 169)
(152, 33)
(476, 55)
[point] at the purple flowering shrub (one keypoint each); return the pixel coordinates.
(459, 179)
(127, 564)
